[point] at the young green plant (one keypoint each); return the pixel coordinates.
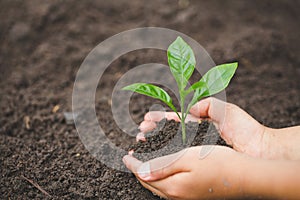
(182, 63)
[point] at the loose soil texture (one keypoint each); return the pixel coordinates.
(43, 43)
(167, 136)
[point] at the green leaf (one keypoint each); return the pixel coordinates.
(214, 81)
(182, 62)
(151, 91)
(195, 86)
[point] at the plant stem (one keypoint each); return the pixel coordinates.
(183, 132)
(188, 109)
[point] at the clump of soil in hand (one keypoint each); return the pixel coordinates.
(166, 138)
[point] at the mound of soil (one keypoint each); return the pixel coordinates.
(167, 136)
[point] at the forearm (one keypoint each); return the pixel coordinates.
(282, 143)
(272, 179)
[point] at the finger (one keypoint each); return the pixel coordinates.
(140, 137)
(147, 126)
(157, 168)
(154, 116)
(132, 163)
(191, 118)
(157, 116)
(152, 188)
(210, 107)
(173, 186)
(162, 167)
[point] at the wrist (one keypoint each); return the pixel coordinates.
(281, 143)
(274, 179)
(236, 172)
(268, 146)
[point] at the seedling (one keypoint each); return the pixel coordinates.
(182, 63)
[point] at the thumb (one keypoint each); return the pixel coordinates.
(212, 108)
(162, 167)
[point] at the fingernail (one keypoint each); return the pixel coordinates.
(140, 137)
(131, 152)
(144, 171)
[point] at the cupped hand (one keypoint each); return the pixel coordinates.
(236, 127)
(185, 175)
(219, 174)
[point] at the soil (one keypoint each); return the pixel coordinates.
(43, 43)
(167, 136)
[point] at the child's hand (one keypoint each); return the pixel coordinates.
(185, 175)
(224, 172)
(237, 127)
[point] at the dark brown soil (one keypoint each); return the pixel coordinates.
(43, 43)
(167, 136)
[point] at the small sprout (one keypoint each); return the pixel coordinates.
(182, 63)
